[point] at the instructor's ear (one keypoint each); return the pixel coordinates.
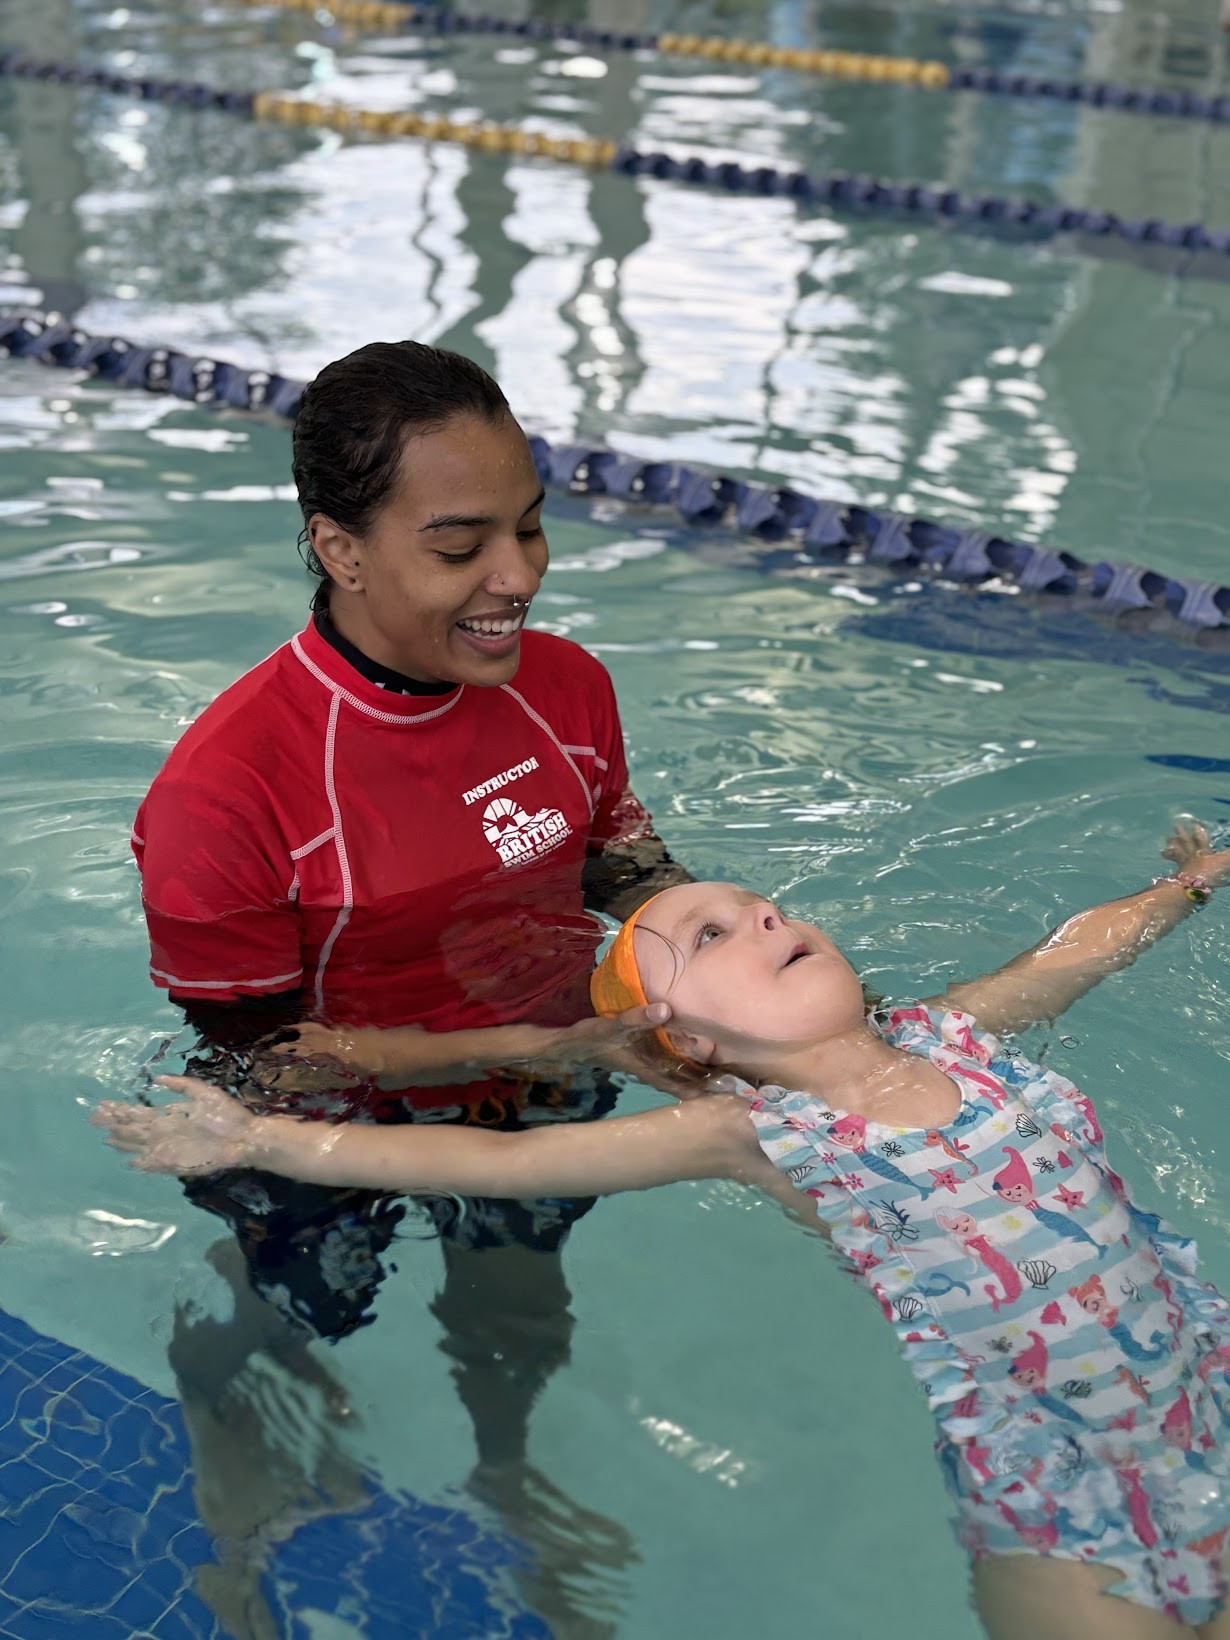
(340, 553)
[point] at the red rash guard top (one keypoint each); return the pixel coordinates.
(400, 858)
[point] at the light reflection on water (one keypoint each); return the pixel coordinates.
(889, 362)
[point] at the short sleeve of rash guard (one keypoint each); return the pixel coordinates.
(220, 924)
(619, 816)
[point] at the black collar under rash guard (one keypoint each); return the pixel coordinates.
(382, 676)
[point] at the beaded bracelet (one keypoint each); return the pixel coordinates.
(1197, 889)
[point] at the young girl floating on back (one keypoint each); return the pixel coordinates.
(1078, 1372)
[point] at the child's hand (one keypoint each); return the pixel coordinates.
(359, 1047)
(1192, 851)
(208, 1131)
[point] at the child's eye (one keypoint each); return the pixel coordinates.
(530, 535)
(703, 933)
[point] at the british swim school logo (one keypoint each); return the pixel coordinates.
(518, 837)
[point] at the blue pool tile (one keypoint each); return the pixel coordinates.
(99, 1538)
(51, 1621)
(22, 1481)
(409, 1568)
(177, 1623)
(47, 1455)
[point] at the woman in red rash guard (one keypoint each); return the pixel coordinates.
(406, 814)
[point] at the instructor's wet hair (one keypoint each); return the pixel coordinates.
(353, 423)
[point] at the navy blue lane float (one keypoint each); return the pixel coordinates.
(918, 199)
(1127, 99)
(815, 530)
(188, 93)
(46, 338)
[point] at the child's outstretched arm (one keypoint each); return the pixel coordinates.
(1045, 980)
(703, 1138)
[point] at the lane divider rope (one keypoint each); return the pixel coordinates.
(834, 188)
(809, 529)
(871, 68)
(843, 65)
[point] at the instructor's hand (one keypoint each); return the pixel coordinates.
(357, 1047)
(626, 1043)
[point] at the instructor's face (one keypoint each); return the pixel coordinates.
(439, 587)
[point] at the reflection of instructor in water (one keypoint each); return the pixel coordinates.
(405, 815)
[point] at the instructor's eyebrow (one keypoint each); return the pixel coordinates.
(468, 521)
(454, 521)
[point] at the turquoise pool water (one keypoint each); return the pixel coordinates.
(935, 775)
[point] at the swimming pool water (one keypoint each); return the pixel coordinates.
(1055, 393)
(931, 807)
(934, 775)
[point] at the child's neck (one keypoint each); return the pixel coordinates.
(859, 1072)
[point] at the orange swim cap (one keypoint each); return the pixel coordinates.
(615, 984)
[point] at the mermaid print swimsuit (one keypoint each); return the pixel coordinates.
(1078, 1371)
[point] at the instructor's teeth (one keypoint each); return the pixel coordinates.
(491, 629)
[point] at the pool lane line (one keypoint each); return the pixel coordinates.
(907, 200)
(870, 68)
(807, 529)
(837, 65)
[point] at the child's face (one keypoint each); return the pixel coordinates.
(723, 955)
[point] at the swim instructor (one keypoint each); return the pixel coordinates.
(406, 815)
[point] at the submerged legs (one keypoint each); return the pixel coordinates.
(507, 1329)
(258, 1407)
(263, 1414)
